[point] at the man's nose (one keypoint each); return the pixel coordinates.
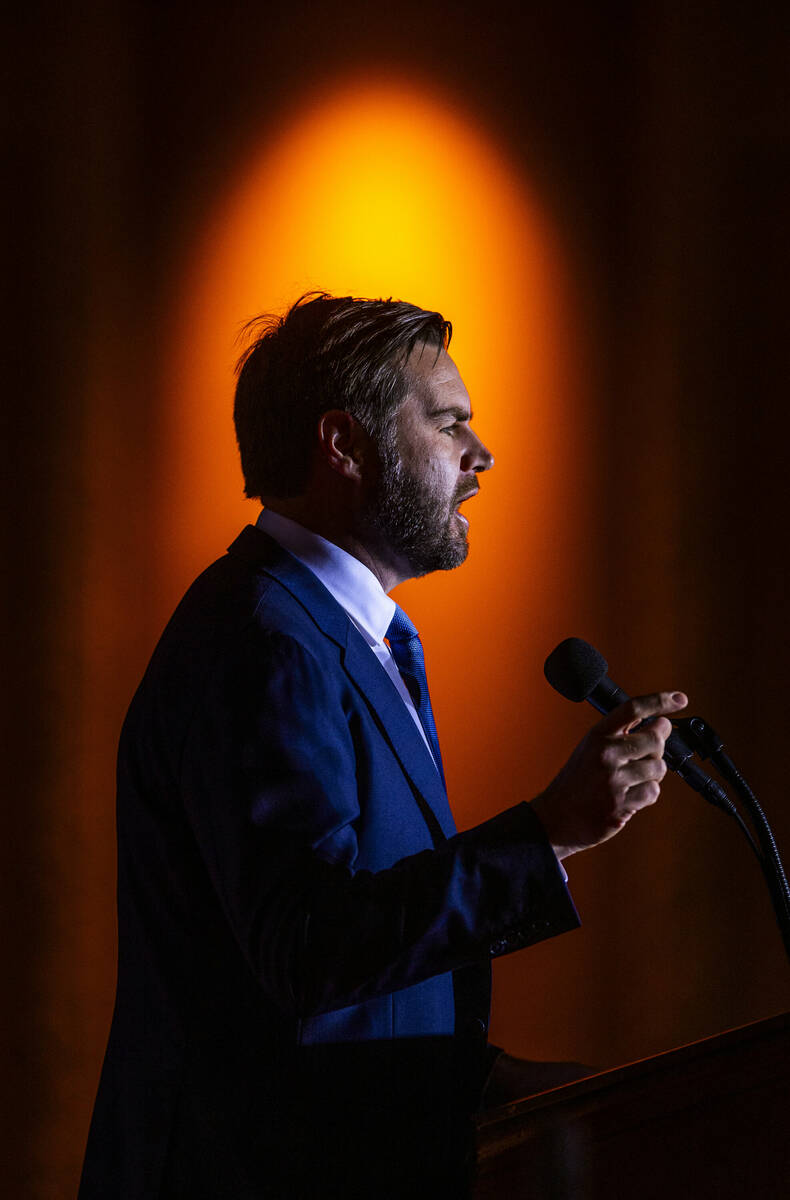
(477, 457)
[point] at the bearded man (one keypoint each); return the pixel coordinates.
(305, 939)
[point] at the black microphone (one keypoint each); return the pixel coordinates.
(578, 672)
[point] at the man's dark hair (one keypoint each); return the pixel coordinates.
(326, 352)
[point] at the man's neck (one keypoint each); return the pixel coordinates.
(341, 530)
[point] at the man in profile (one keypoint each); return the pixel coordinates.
(305, 940)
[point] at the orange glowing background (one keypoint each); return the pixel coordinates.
(389, 189)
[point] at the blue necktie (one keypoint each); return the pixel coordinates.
(409, 658)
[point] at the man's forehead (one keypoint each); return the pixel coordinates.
(435, 375)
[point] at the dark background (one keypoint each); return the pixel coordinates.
(658, 136)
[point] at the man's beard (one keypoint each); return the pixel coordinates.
(415, 520)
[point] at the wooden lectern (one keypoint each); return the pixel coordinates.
(709, 1121)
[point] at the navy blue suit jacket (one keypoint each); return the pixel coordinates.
(304, 939)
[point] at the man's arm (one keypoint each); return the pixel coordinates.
(269, 783)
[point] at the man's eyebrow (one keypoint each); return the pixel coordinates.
(456, 410)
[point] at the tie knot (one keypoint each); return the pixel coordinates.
(401, 628)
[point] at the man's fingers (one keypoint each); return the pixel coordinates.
(621, 720)
(640, 796)
(641, 743)
(614, 772)
(641, 770)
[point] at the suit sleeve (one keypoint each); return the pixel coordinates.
(268, 779)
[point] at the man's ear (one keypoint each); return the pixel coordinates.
(343, 444)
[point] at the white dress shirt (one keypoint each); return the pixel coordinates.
(353, 585)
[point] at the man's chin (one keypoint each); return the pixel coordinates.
(447, 557)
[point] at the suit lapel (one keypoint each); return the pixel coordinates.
(361, 664)
(402, 734)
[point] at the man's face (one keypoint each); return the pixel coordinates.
(431, 468)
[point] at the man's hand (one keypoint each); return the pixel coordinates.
(616, 770)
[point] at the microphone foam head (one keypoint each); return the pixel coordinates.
(575, 668)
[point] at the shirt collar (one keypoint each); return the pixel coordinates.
(352, 584)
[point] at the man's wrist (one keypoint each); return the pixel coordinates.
(541, 807)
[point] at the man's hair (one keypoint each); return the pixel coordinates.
(326, 352)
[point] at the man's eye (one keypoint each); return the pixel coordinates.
(450, 428)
